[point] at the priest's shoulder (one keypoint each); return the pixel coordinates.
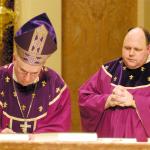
(51, 74)
(5, 69)
(112, 64)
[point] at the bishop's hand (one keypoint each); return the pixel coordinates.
(7, 130)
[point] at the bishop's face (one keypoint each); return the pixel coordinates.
(26, 74)
(135, 51)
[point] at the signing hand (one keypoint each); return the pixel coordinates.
(7, 130)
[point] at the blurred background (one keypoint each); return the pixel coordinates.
(89, 33)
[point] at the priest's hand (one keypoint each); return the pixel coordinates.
(112, 102)
(122, 96)
(7, 130)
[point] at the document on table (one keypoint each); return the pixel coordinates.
(14, 137)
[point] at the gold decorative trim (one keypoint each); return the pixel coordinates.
(10, 65)
(44, 83)
(5, 105)
(2, 93)
(58, 96)
(137, 87)
(1, 104)
(34, 125)
(22, 119)
(36, 45)
(141, 86)
(7, 79)
(10, 124)
(131, 77)
(30, 57)
(106, 71)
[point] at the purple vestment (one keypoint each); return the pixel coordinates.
(50, 110)
(118, 122)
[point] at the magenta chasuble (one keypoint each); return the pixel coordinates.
(117, 122)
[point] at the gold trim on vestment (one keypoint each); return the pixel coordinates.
(140, 86)
(1, 104)
(105, 70)
(22, 119)
(34, 125)
(58, 96)
(10, 123)
(137, 87)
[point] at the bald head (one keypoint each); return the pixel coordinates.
(136, 36)
(135, 49)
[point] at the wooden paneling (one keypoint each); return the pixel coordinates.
(92, 33)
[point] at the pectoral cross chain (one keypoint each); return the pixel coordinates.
(25, 127)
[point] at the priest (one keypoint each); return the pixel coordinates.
(115, 101)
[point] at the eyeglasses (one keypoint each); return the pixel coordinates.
(25, 73)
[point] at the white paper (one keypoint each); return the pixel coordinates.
(14, 137)
(48, 137)
(77, 137)
(117, 140)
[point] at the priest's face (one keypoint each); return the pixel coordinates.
(135, 50)
(26, 74)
